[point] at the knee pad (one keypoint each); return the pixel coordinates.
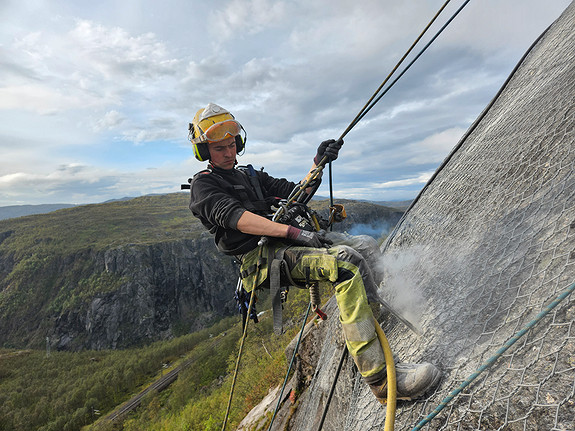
(347, 254)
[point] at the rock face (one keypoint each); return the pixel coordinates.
(183, 283)
(484, 248)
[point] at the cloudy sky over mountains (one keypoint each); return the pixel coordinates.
(95, 97)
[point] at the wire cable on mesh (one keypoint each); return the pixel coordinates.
(495, 357)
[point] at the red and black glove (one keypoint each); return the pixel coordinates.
(307, 238)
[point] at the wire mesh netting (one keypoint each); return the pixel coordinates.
(487, 245)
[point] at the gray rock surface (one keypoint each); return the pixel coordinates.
(487, 244)
(162, 286)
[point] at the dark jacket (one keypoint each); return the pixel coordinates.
(219, 198)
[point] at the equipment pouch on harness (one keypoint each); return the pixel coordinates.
(322, 267)
(250, 263)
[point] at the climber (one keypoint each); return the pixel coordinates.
(234, 203)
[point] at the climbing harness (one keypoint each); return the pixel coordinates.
(495, 357)
(278, 291)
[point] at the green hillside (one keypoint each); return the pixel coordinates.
(121, 274)
(65, 391)
(47, 261)
(82, 274)
(140, 220)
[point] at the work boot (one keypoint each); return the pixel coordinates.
(413, 380)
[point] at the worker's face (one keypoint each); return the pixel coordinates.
(223, 153)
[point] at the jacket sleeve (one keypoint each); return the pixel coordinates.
(213, 205)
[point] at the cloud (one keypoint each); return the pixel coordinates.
(37, 98)
(434, 148)
(114, 53)
(110, 120)
(422, 178)
(107, 89)
(246, 16)
(89, 65)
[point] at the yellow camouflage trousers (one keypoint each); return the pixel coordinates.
(345, 269)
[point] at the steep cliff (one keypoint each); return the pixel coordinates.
(483, 249)
(163, 290)
(119, 274)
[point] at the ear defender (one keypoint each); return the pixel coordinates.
(240, 144)
(201, 151)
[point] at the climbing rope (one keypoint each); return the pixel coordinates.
(244, 335)
(462, 140)
(344, 353)
(362, 113)
(367, 106)
(376, 97)
(495, 357)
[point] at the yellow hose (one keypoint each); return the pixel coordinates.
(391, 381)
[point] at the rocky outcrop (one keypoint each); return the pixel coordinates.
(485, 247)
(122, 296)
(166, 289)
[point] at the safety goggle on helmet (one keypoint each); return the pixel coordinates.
(213, 124)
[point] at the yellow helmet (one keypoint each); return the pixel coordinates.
(212, 124)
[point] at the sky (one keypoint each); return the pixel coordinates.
(96, 97)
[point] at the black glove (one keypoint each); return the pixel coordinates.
(329, 149)
(306, 238)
